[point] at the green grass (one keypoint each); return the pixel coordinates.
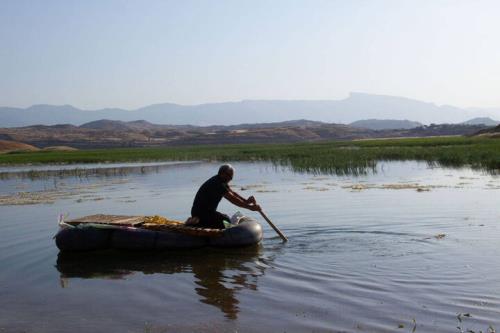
(339, 157)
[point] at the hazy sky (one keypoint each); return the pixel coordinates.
(95, 54)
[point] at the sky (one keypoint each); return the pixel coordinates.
(95, 54)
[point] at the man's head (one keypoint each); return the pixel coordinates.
(226, 172)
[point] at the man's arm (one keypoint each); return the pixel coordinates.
(250, 200)
(239, 201)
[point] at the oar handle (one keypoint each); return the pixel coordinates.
(283, 237)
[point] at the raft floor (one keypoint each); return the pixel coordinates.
(124, 220)
(142, 222)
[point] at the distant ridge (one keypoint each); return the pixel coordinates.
(117, 125)
(382, 124)
(355, 107)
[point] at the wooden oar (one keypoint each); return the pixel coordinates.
(283, 237)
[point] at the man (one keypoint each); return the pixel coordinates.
(210, 194)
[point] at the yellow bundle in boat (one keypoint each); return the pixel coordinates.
(160, 223)
(157, 219)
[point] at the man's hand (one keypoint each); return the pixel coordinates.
(251, 200)
(255, 208)
(252, 204)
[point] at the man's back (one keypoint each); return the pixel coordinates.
(208, 196)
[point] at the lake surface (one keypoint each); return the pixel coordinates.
(408, 249)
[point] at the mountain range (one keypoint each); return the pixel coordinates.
(353, 108)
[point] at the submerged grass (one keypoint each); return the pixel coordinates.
(336, 157)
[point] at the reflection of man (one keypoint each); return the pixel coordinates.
(210, 280)
(210, 194)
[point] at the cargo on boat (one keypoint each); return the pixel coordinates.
(99, 232)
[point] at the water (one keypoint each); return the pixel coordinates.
(364, 255)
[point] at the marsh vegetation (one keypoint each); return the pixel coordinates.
(332, 157)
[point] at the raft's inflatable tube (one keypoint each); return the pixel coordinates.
(247, 232)
(140, 239)
(88, 239)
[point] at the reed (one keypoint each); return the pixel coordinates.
(336, 157)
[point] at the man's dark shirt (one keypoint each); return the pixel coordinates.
(208, 196)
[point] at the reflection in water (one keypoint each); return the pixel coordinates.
(219, 273)
(84, 171)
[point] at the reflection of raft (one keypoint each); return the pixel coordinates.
(99, 232)
(209, 267)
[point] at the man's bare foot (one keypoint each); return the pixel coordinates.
(192, 221)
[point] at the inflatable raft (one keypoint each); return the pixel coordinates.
(99, 232)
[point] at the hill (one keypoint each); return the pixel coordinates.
(490, 132)
(481, 121)
(107, 125)
(10, 146)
